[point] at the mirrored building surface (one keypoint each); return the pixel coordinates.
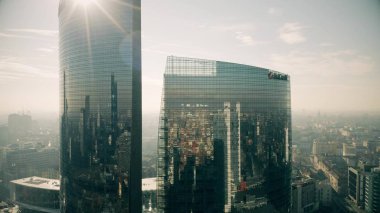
(100, 105)
(224, 138)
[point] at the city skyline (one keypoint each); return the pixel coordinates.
(335, 51)
(189, 106)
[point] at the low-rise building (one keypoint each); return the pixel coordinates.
(36, 194)
(325, 148)
(335, 170)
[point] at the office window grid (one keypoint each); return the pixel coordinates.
(224, 138)
(99, 52)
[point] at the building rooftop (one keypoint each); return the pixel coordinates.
(303, 181)
(38, 182)
(149, 184)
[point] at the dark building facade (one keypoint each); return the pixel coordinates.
(224, 138)
(100, 105)
(372, 191)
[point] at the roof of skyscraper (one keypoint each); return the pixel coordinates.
(203, 67)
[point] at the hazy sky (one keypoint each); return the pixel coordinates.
(331, 48)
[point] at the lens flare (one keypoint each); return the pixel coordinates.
(85, 2)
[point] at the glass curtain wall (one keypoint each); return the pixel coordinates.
(224, 138)
(100, 105)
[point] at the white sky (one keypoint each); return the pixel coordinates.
(330, 48)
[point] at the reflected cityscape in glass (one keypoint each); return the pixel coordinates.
(100, 59)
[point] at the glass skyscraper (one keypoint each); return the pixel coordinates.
(224, 138)
(100, 105)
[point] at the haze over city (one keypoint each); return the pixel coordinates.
(189, 106)
(330, 49)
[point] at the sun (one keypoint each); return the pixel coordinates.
(85, 2)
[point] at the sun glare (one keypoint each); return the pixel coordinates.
(85, 2)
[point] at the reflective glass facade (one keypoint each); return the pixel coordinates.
(224, 138)
(100, 105)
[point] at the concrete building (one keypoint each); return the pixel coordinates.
(335, 169)
(349, 150)
(325, 148)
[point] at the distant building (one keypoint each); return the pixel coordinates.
(18, 126)
(357, 182)
(36, 194)
(335, 169)
(356, 186)
(323, 188)
(349, 150)
(304, 196)
(149, 188)
(372, 191)
(371, 145)
(325, 148)
(23, 163)
(3, 152)
(324, 193)
(4, 135)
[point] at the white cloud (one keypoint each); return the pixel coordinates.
(291, 33)
(9, 35)
(326, 44)
(49, 33)
(29, 34)
(244, 38)
(150, 50)
(242, 32)
(46, 50)
(274, 11)
(11, 68)
(228, 27)
(324, 64)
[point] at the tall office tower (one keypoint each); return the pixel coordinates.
(224, 138)
(372, 191)
(100, 85)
